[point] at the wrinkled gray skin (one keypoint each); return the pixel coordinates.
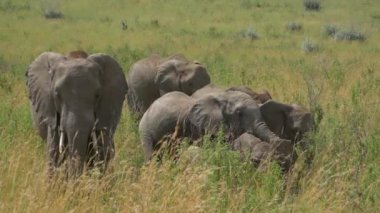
(206, 90)
(152, 77)
(289, 122)
(257, 151)
(260, 97)
(160, 120)
(234, 111)
(74, 100)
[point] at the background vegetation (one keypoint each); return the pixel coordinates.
(241, 42)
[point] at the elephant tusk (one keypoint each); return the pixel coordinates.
(95, 142)
(61, 142)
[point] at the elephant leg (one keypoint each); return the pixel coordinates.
(53, 150)
(107, 149)
(148, 146)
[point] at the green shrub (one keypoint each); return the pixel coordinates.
(312, 5)
(329, 29)
(309, 46)
(349, 35)
(294, 26)
(250, 33)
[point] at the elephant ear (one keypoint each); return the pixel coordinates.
(274, 115)
(39, 83)
(167, 78)
(112, 94)
(206, 114)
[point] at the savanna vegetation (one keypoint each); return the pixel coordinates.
(244, 42)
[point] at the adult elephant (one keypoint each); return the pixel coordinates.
(76, 103)
(152, 77)
(289, 121)
(234, 111)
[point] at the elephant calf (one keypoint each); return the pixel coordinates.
(257, 151)
(287, 121)
(260, 97)
(234, 111)
(152, 77)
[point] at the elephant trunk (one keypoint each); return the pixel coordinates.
(261, 130)
(78, 143)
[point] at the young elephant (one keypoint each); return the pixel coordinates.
(76, 104)
(258, 151)
(233, 111)
(152, 77)
(287, 121)
(206, 90)
(260, 97)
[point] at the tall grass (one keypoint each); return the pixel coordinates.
(343, 176)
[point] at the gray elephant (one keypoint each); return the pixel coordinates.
(152, 77)
(260, 97)
(257, 151)
(233, 111)
(287, 121)
(206, 90)
(76, 103)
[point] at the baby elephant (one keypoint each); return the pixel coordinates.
(233, 111)
(257, 151)
(260, 97)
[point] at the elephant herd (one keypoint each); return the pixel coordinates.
(77, 100)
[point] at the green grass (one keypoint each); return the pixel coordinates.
(344, 175)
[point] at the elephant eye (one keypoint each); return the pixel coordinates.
(56, 94)
(239, 112)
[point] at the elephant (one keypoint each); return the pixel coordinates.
(152, 77)
(76, 104)
(257, 151)
(289, 122)
(260, 97)
(234, 111)
(206, 90)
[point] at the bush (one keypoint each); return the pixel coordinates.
(250, 33)
(294, 26)
(52, 14)
(349, 35)
(312, 5)
(51, 9)
(329, 29)
(309, 46)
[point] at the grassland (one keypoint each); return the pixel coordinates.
(345, 173)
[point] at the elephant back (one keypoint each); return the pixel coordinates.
(142, 90)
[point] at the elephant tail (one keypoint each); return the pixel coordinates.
(134, 105)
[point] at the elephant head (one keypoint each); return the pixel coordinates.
(234, 111)
(179, 74)
(287, 121)
(258, 151)
(76, 103)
